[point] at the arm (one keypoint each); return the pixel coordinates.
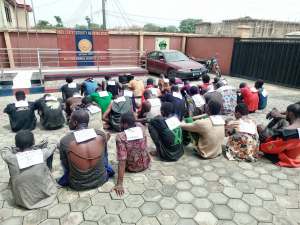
(199, 117)
(48, 148)
(142, 112)
(133, 112)
(163, 98)
(273, 147)
(191, 127)
(63, 155)
(120, 86)
(104, 86)
(105, 116)
(74, 105)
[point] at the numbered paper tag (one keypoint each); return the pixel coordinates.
(51, 98)
(84, 135)
(177, 95)
(19, 104)
(120, 99)
(111, 82)
(29, 158)
(166, 80)
(173, 123)
(72, 85)
(198, 100)
(154, 91)
(264, 93)
(103, 94)
(225, 82)
(246, 127)
(154, 102)
(217, 120)
(94, 109)
(253, 89)
(77, 96)
(128, 93)
(134, 133)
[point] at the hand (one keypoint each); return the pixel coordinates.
(94, 103)
(119, 190)
(273, 114)
(157, 116)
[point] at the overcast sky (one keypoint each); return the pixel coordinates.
(164, 12)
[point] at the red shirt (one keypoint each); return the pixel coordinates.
(206, 85)
(288, 151)
(250, 98)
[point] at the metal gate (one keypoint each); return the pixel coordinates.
(272, 60)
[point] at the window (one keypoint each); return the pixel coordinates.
(7, 13)
(153, 55)
(160, 56)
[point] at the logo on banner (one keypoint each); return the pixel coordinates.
(85, 45)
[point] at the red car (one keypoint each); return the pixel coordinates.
(174, 64)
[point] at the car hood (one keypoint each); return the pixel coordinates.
(191, 65)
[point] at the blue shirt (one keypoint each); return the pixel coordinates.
(263, 100)
(90, 86)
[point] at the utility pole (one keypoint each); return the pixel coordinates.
(103, 12)
(92, 19)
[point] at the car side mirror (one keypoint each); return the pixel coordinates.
(162, 60)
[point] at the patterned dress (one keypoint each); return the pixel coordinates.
(241, 146)
(229, 98)
(191, 107)
(134, 152)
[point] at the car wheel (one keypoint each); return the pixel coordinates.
(171, 73)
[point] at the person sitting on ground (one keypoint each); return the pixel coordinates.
(132, 154)
(179, 82)
(216, 80)
(249, 96)
(212, 95)
(243, 141)
(195, 103)
(283, 148)
(90, 86)
(229, 98)
(262, 94)
(137, 86)
(70, 88)
(31, 182)
(21, 114)
(50, 111)
(102, 98)
(150, 85)
(93, 110)
(168, 140)
(75, 99)
(185, 90)
(151, 106)
(206, 84)
(111, 85)
(116, 108)
(126, 91)
(163, 83)
(207, 138)
(167, 90)
(84, 155)
(176, 99)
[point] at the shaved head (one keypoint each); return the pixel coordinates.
(81, 116)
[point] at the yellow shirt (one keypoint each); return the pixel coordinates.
(137, 86)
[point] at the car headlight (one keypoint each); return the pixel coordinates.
(184, 70)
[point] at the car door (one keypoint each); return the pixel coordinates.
(161, 66)
(151, 61)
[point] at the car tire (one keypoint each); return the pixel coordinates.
(171, 73)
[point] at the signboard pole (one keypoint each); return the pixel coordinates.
(98, 60)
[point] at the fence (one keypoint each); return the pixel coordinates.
(273, 60)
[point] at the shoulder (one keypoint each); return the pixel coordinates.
(67, 139)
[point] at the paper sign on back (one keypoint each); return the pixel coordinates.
(84, 135)
(128, 93)
(166, 80)
(253, 89)
(264, 93)
(225, 82)
(103, 94)
(72, 85)
(29, 158)
(51, 98)
(134, 133)
(177, 95)
(217, 120)
(20, 104)
(77, 96)
(120, 99)
(246, 127)
(198, 100)
(154, 91)
(173, 123)
(111, 82)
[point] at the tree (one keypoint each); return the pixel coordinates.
(59, 21)
(95, 26)
(152, 27)
(88, 20)
(171, 29)
(81, 27)
(43, 24)
(188, 25)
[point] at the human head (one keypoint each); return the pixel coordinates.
(79, 118)
(125, 87)
(166, 109)
(148, 94)
(241, 110)
(127, 121)
(116, 97)
(172, 81)
(259, 84)
(69, 79)
(98, 89)
(47, 95)
(174, 88)
(213, 108)
(186, 82)
(86, 101)
(220, 84)
(243, 85)
(206, 90)
(292, 113)
(216, 79)
(20, 95)
(24, 140)
(193, 90)
(161, 76)
(205, 78)
(149, 81)
(107, 77)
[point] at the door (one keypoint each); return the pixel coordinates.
(151, 61)
(161, 66)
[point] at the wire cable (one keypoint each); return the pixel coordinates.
(125, 12)
(47, 4)
(122, 14)
(78, 13)
(115, 12)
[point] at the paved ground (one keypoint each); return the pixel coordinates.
(190, 191)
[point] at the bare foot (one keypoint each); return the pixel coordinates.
(108, 135)
(154, 153)
(106, 126)
(52, 170)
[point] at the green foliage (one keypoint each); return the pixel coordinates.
(187, 25)
(59, 22)
(154, 28)
(43, 24)
(81, 27)
(172, 29)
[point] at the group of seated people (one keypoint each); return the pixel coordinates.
(174, 117)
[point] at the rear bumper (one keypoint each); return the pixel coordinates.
(192, 74)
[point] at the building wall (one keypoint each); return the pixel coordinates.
(149, 42)
(124, 42)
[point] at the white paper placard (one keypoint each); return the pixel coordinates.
(77, 96)
(111, 82)
(177, 95)
(198, 100)
(103, 94)
(51, 98)
(298, 132)
(264, 93)
(173, 123)
(120, 99)
(225, 82)
(153, 91)
(72, 85)
(154, 101)
(128, 93)
(84, 135)
(166, 80)
(29, 158)
(246, 127)
(19, 104)
(94, 109)
(217, 120)
(193, 85)
(134, 133)
(253, 89)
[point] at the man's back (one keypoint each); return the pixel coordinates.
(178, 104)
(95, 114)
(119, 108)
(90, 86)
(112, 86)
(103, 102)
(250, 98)
(70, 101)
(69, 89)
(229, 98)
(137, 86)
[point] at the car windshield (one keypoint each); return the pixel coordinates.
(175, 56)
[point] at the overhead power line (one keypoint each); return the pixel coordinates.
(115, 12)
(47, 4)
(124, 12)
(80, 10)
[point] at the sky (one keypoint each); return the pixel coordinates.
(163, 13)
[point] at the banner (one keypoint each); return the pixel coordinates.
(162, 44)
(84, 44)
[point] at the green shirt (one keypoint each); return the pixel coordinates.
(102, 102)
